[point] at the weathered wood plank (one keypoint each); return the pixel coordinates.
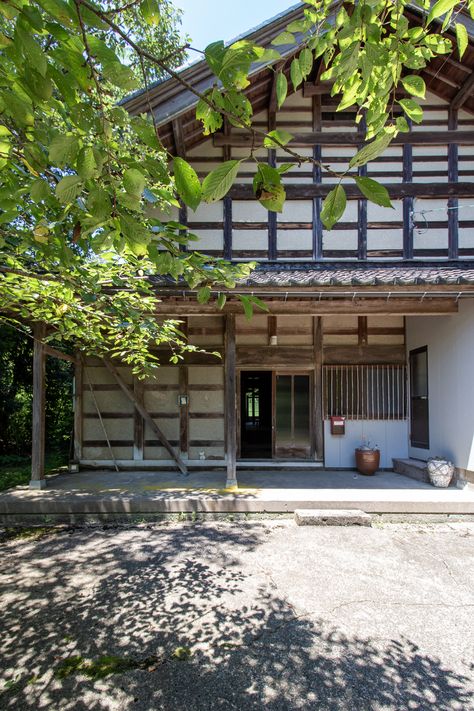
(306, 191)
(230, 401)
(351, 307)
(367, 355)
(146, 416)
(275, 356)
(423, 137)
(39, 405)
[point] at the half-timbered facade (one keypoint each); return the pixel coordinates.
(372, 322)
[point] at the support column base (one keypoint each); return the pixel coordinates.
(38, 484)
(230, 482)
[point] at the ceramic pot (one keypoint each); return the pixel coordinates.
(367, 461)
(440, 472)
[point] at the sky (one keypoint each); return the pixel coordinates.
(209, 20)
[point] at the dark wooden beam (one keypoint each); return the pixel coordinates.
(39, 406)
(367, 355)
(362, 332)
(306, 191)
(316, 88)
(318, 424)
(453, 175)
(230, 400)
(180, 146)
(465, 91)
(316, 307)
(127, 390)
(49, 350)
(326, 138)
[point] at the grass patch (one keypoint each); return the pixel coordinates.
(96, 669)
(16, 471)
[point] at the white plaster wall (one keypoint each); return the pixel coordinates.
(450, 341)
(391, 436)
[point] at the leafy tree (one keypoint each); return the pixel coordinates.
(83, 184)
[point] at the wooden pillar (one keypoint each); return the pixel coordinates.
(78, 410)
(317, 178)
(230, 400)
(362, 205)
(39, 403)
(318, 425)
(453, 204)
(272, 160)
(408, 201)
(138, 423)
(184, 401)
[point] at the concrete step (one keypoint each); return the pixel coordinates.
(413, 468)
(332, 517)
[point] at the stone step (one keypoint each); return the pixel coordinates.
(332, 517)
(413, 468)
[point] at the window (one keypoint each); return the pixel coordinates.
(365, 392)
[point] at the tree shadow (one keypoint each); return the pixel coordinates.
(137, 595)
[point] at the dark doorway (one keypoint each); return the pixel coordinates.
(256, 414)
(419, 410)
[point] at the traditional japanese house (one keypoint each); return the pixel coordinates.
(372, 322)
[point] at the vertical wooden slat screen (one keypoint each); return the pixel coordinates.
(365, 392)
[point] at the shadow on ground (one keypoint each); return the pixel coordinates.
(139, 596)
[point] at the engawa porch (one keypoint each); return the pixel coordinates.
(110, 495)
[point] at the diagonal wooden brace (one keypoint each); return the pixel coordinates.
(146, 416)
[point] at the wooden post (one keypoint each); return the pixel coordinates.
(408, 201)
(78, 410)
(184, 408)
(39, 402)
(362, 205)
(317, 177)
(230, 402)
(138, 423)
(453, 203)
(317, 389)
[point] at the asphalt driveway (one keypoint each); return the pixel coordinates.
(240, 616)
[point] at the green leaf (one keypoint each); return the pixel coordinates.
(187, 183)
(86, 165)
(333, 207)
(63, 149)
(259, 303)
(414, 85)
(281, 88)
(219, 181)
(150, 11)
(373, 191)
(305, 61)
(284, 38)
(402, 124)
(412, 109)
(283, 137)
(371, 151)
(273, 199)
(69, 188)
(221, 299)
(295, 73)
(204, 295)
(39, 190)
(441, 8)
(462, 38)
(248, 307)
(134, 182)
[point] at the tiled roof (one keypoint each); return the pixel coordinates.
(350, 275)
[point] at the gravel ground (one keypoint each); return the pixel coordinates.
(246, 616)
